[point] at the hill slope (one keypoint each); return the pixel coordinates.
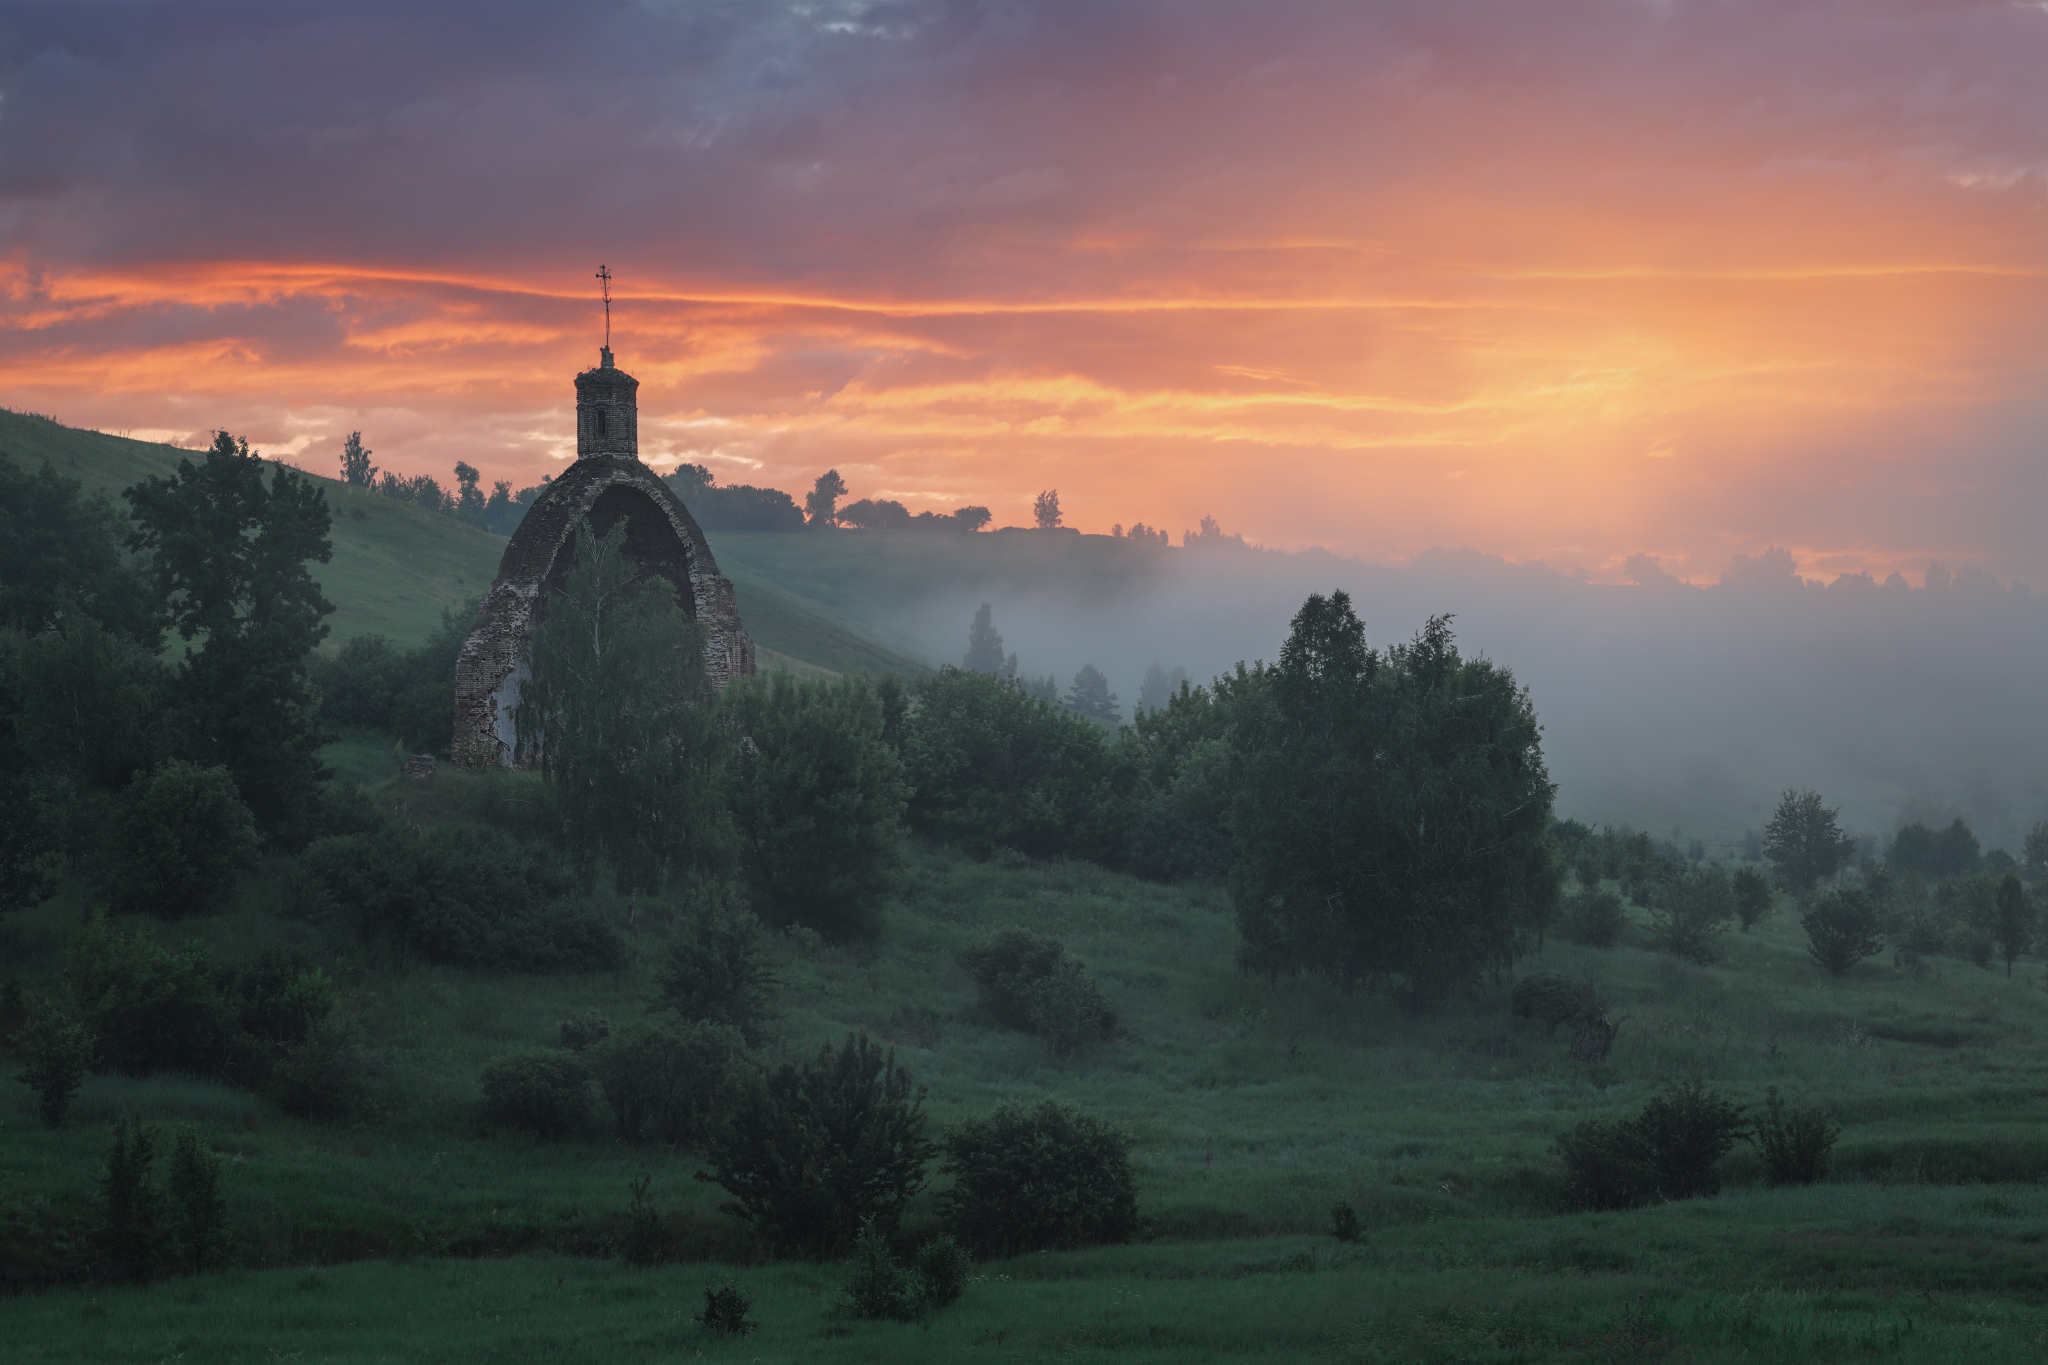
(396, 567)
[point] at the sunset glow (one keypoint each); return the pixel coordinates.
(1561, 282)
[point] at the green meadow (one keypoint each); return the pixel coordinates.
(418, 1234)
(1254, 1106)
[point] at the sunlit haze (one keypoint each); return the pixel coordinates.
(1567, 282)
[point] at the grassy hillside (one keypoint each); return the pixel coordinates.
(396, 568)
(1253, 1106)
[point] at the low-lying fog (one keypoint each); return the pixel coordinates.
(1663, 706)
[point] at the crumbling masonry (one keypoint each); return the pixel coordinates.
(608, 484)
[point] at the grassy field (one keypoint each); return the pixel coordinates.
(417, 1235)
(396, 567)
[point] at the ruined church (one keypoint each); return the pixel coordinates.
(608, 484)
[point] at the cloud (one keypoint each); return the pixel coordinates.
(1306, 261)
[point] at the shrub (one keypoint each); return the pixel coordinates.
(1551, 997)
(1343, 1221)
(1594, 918)
(463, 894)
(990, 766)
(1842, 929)
(1795, 1144)
(644, 1239)
(326, 1078)
(1688, 914)
(56, 1053)
(1752, 894)
(129, 1241)
(183, 838)
(878, 1288)
(1027, 982)
(812, 1150)
(281, 998)
(1669, 1151)
(581, 1032)
(148, 1008)
(725, 1310)
(943, 1266)
(817, 801)
(1038, 1179)
(542, 1089)
(717, 971)
(667, 1084)
(199, 1212)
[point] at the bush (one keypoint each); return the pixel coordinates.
(280, 998)
(668, 1084)
(1669, 1151)
(817, 800)
(990, 766)
(1795, 1144)
(542, 1089)
(725, 1310)
(1027, 982)
(199, 1212)
(1038, 1179)
(148, 1008)
(1842, 929)
(717, 971)
(1752, 896)
(879, 1289)
(581, 1032)
(463, 894)
(644, 1239)
(1593, 918)
(943, 1266)
(129, 1241)
(1689, 913)
(813, 1150)
(183, 838)
(56, 1053)
(1551, 997)
(1343, 1221)
(326, 1078)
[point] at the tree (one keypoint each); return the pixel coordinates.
(199, 1212)
(131, 1234)
(991, 766)
(617, 707)
(2012, 924)
(60, 557)
(1935, 855)
(716, 971)
(55, 1048)
(1804, 843)
(356, 469)
(1090, 696)
(985, 647)
(1393, 812)
(822, 503)
(1690, 912)
(971, 518)
(814, 1149)
(184, 837)
(1842, 929)
(2034, 854)
(816, 798)
(1752, 896)
(469, 500)
(1158, 685)
(1045, 509)
(229, 553)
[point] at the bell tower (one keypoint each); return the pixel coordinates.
(607, 412)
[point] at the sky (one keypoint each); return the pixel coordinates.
(1567, 282)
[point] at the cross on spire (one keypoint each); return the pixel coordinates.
(604, 279)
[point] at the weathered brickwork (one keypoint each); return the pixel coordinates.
(608, 484)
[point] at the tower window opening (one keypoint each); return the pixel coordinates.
(600, 423)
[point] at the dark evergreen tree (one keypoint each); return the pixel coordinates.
(2012, 924)
(229, 553)
(1393, 812)
(1090, 696)
(985, 646)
